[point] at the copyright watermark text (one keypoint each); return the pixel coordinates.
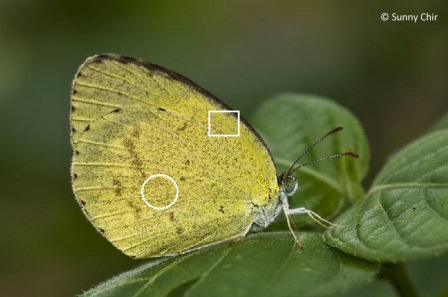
(396, 17)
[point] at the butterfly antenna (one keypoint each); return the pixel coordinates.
(337, 129)
(346, 154)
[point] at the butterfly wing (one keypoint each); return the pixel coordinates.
(131, 120)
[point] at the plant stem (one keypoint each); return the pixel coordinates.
(397, 274)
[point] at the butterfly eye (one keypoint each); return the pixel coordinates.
(290, 185)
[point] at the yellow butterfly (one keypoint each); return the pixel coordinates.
(162, 167)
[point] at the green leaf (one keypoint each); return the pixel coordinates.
(405, 213)
(270, 263)
(290, 123)
(263, 264)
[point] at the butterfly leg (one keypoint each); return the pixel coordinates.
(288, 220)
(302, 210)
(317, 218)
(285, 207)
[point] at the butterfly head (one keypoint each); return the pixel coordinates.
(288, 183)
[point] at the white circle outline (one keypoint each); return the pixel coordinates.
(165, 176)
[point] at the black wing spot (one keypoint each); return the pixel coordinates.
(82, 202)
(118, 187)
(117, 110)
(182, 178)
(73, 108)
(179, 230)
(136, 132)
(75, 176)
(74, 91)
(183, 127)
(102, 231)
(161, 109)
(87, 128)
(73, 129)
(76, 152)
(221, 209)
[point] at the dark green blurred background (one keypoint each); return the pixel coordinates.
(393, 76)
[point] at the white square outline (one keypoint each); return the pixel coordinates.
(224, 135)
